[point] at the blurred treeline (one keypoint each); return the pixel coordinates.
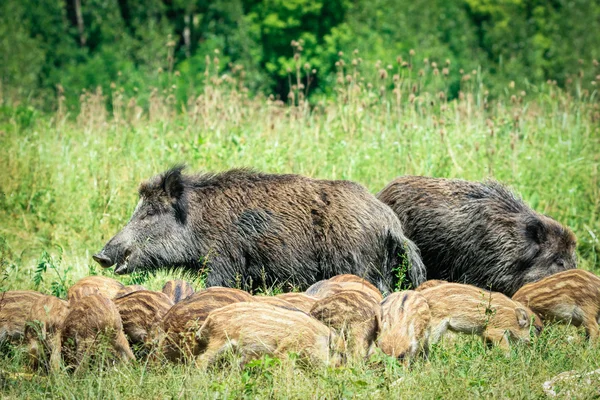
(66, 46)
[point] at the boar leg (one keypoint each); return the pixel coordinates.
(34, 354)
(498, 337)
(212, 353)
(55, 348)
(122, 347)
(591, 325)
(438, 328)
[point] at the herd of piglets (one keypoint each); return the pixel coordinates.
(335, 320)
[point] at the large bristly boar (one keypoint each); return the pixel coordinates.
(92, 319)
(256, 329)
(184, 318)
(15, 306)
(469, 309)
(405, 325)
(255, 229)
(571, 296)
(479, 233)
(43, 331)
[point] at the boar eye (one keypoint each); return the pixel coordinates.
(560, 262)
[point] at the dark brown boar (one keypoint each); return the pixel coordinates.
(256, 329)
(256, 230)
(479, 233)
(184, 318)
(571, 296)
(90, 320)
(142, 312)
(405, 325)
(355, 316)
(103, 285)
(15, 306)
(178, 290)
(300, 300)
(43, 332)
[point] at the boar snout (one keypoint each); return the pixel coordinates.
(103, 260)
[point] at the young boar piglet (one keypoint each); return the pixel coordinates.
(405, 325)
(479, 233)
(178, 290)
(274, 301)
(142, 313)
(184, 318)
(429, 284)
(355, 316)
(15, 306)
(300, 300)
(468, 309)
(43, 332)
(103, 285)
(571, 296)
(256, 329)
(328, 287)
(90, 320)
(129, 289)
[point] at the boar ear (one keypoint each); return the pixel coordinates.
(172, 182)
(522, 317)
(535, 230)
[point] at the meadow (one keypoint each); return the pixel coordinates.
(69, 181)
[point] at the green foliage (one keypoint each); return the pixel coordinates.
(58, 287)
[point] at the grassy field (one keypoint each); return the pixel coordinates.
(69, 182)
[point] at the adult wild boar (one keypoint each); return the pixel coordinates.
(479, 233)
(250, 229)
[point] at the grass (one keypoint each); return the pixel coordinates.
(69, 181)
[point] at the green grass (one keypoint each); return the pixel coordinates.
(69, 182)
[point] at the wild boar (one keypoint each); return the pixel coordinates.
(250, 229)
(300, 300)
(405, 325)
(184, 318)
(43, 332)
(479, 233)
(256, 329)
(329, 287)
(103, 285)
(571, 296)
(142, 312)
(274, 301)
(90, 320)
(178, 290)
(429, 284)
(469, 309)
(15, 306)
(129, 289)
(355, 316)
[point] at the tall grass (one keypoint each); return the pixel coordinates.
(68, 183)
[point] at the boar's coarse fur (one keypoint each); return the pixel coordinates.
(328, 287)
(571, 296)
(178, 290)
(92, 319)
(43, 332)
(184, 318)
(479, 233)
(274, 301)
(255, 229)
(103, 285)
(15, 306)
(429, 284)
(405, 319)
(256, 329)
(142, 313)
(355, 316)
(301, 301)
(125, 290)
(469, 309)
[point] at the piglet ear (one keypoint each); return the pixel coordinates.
(522, 317)
(535, 230)
(172, 183)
